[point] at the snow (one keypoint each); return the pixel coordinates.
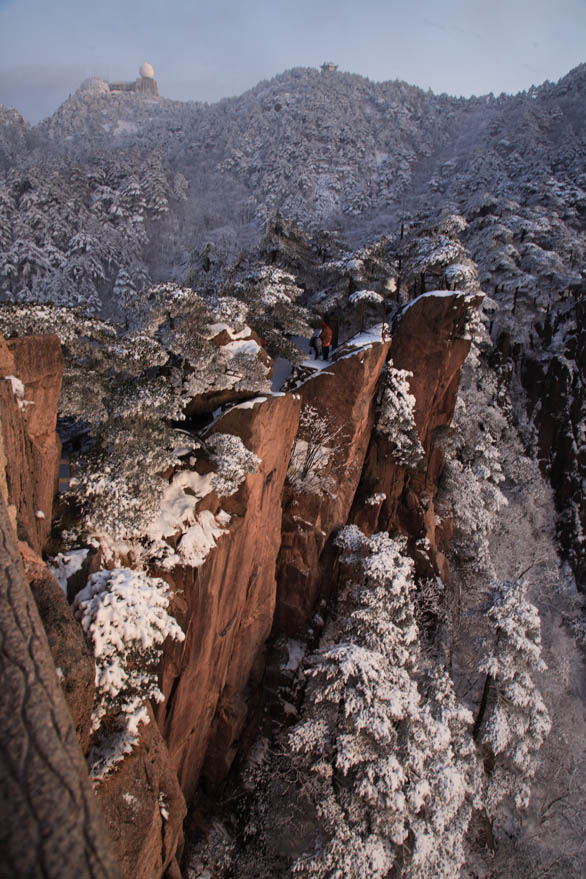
(367, 338)
(295, 653)
(18, 391)
(16, 385)
(366, 296)
(125, 127)
(434, 294)
(202, 536)
(124, 614)
(282, 369)
(219, 327)
(178, 504)
(250, 404)
(65, 564)
(375, 499)
(245, 348)
(233, 463)
(316, 365)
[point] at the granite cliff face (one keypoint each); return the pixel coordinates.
(432, 343)
(226, 606)
(268, 572)
(53, 824)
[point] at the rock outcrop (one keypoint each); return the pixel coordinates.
(344, 395)
(73, 658)
(556, 401)
(430, 341)
(226, 606)
(266, 572)
(144, 808)
(51, 824)
(31, 370)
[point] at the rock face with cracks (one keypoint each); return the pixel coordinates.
(429, 341)
(344, 394)
(31, 370)
(267, 571)
(226, 606)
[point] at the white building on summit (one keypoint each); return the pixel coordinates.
(146, 83)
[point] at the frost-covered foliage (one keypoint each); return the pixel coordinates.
(471, 482)
(120, 483)
(515, 721)
(78, 229)
(392, 770)
(275, 312)
(365, 297)
(395, 416)
(313, 457)
(128, 385)
(233, 462)
(432, 257)
(124, 615)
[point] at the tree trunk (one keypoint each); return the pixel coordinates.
(50, 824)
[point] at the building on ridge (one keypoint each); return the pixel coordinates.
(145, 84)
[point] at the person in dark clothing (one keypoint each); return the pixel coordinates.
(326, 340)
(315, 343)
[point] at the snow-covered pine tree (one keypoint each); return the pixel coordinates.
(393, 776)
(513, 720)
(395, 416)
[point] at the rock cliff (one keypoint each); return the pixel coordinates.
(53, 826)
(226, 606)
(268, 570)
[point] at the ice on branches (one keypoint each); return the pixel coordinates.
(387, 751)
(396, 416)
(233, 463)
(124, 614)
(516, 721)
(312, 462)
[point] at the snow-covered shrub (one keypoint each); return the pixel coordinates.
(233, 463)
(365, 297)
(390, 765)
(119, 483)
(514, 720)
(470, 484)
(395, 416)
(313, 452)
(124, 615)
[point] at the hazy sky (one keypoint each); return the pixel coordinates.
(206, 51)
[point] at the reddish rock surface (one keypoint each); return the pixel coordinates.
(31, 445)
(226, 606)
(146, 843)
(429, 341)
(72, 657)
(344, 394)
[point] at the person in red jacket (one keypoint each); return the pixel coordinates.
(326, 339)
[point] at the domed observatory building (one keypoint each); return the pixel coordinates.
(146, 84)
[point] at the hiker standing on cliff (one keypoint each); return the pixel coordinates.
(326, 339)
(315, 343)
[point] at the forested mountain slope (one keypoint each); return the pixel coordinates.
(366, 548)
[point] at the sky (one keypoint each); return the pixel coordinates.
(205, 51)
